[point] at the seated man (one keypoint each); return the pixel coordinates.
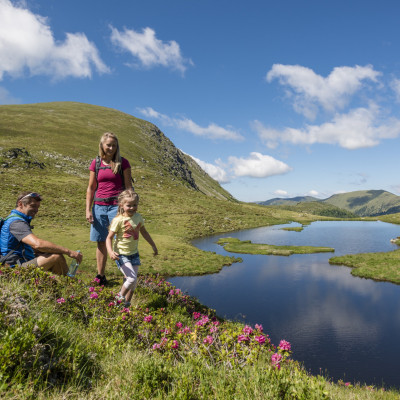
(19, 246)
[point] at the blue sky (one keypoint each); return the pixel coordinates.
(272, 98)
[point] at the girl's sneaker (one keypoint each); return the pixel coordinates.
(119, 299)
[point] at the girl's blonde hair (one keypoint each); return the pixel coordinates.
(126, 195)
(116, 161)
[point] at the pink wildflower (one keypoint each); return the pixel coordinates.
(179, 324)
(175, 344)
(247, 330)
(148, 318)
(123, 317)
(243, 338)
(275, 359)
(259, 327)
(284, 345)
(91, 289)
(61, 300)
(171, 292)
(96, 280)
(260, 339)
(196, 315)
(72, 296)
(209, 339)
(94, 295)
(213, 329)
(111, 304)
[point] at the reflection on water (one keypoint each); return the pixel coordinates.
(339, 324)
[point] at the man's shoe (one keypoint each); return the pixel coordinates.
(102, 279)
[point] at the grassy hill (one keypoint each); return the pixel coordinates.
(318, 208)
(362, 203)
(367, 202)
(287, 202)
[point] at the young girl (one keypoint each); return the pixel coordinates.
(126, 226)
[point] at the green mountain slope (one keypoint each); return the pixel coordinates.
(318, 208)
(289, 202)
(363, 203)
(51, 131)
(367, 202)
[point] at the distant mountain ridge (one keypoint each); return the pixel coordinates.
(291, 201)
(363, 203)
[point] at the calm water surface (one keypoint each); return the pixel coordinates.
(346, 327)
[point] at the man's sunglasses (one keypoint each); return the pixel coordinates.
(34, 195)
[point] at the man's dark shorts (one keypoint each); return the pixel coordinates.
(33, 262)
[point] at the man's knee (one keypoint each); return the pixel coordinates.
(53, 262)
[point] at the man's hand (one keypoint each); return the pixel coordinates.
(77, 255)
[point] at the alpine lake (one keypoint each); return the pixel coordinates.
(344, 327)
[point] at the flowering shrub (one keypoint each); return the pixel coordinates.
(180, 327)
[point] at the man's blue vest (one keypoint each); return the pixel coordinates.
(9, 242)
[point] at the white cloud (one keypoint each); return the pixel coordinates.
(149, 50)
(27, 43)
(312, 193)
(395, 189)
(311, 90)
(258, 165)
(361, 127)
(281, 193)
(216, 172)
(395, 85)
(212, 131)
(6, 98)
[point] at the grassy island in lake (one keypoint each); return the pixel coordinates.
(247, 247)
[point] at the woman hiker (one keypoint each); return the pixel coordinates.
(110, 174)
